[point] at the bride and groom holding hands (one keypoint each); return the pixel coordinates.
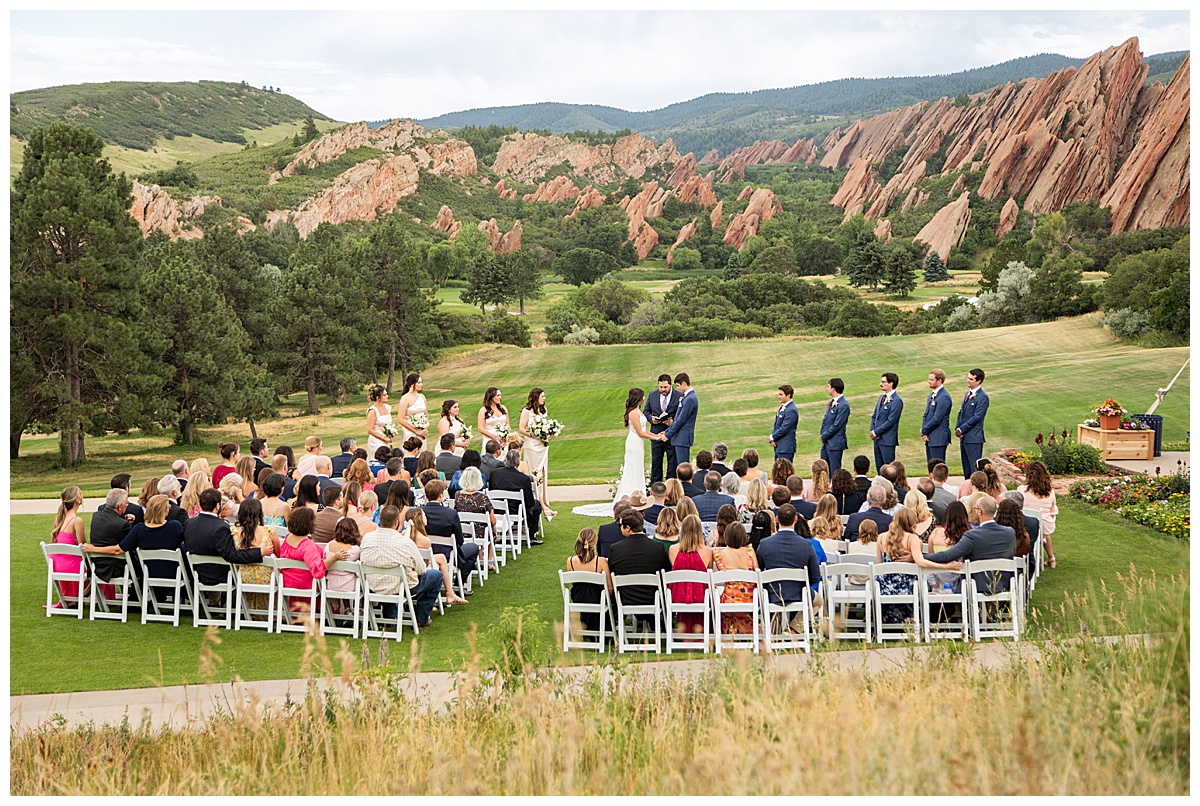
(668, 420)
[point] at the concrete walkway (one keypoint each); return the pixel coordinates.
(1168, 462)
(181, 706)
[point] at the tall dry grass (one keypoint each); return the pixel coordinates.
(1081, 718)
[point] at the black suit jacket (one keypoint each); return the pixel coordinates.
(650, 514)
(691, 489)
(324, 483)
(512, 480)
(132, 508)
(863, 483)
(208, 534)
(108, 529)
(608, 536)
(720, 468)
(653, 408)
(638, 554)
(340, 463)
(444, 522)
(177, 513)
(807, 509)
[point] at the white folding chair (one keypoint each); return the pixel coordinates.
(126, 591)
(677, 640)
(204, 613)
(449, 549)
(246, 615)
(783, 614)
(285, 619)
(341, 623)
(375, 624)
(833, 548)
(1036, 549)
(512, 526)
(726, 640)
(841, 593)
(179, 585)
(567, 578)
(427, 556)
(631, 638)
(883, 630)
(937, 595)
(69, 605)
(477, 528)
(982, 626)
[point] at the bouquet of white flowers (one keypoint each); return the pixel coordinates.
(465, 433)
(418, 420)
(501, 430)
(544, 427)
(389, 430)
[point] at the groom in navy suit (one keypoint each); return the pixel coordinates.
(783, 435)
(885, 420)
(969, 426)
(660, 409)
(682, 432)
(935, 424)
(833, 426)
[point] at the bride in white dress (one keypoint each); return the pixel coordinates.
(633, 469)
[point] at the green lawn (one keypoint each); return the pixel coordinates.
(1041, 377)
(64, 654)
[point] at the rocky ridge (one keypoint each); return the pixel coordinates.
(527, 157)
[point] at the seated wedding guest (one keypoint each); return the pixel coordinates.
(1033, 523)
(108, 528)
(994, 487)
(231, 491)
(987, 541)
(585, 558)
(418, 490)
(635, 553)
(169, 486)
(1008, 513)
(274, 508)
(190, 500)
(925, 522)
(387, 547)
(149, 490)
(1039, 495)
(667, 529)
(299, 545)
(229, 456)
(121, 481)
(876, 496)
(752, 459)
(868, 538)
(787, 549)
(609, 534)
(415, 518)
(470, 458)
(891, 501)
(976, 483)
(795, 488)
(245, 469)
(345, 542)
(901, 544)
(358, 472)
(658, 491)
(825, 523)
(393, 472)
(324, 468)
(685, 507)
(689, 554)
(745, 476)
(179, 469)
(947, 534)
(307, 496)
(675, 492)
(712, 499)
(509, 478)
(926, 489)
(943, 493)
(379, 461)
(901, 481)
(490, 459)
(761, 526)
(412, 451)
(208, 534)
(262, 476)
(703, 464)
(471, 498)
(780, 470)
(279, 464)
(155, 532)
(779, 497)
(726, 515)
(684, 473)
(845, 492)
(200, 465)
(972, 504)
(251, 533)
(720, 453)
(862, 464)
(327, 519)
(756, 495)
(730, 485)
(286, 452)
(307, 465)
(427, 461)
(259, 453)
(343, 459)
(447, 461)
(442, 521)
(368, 507)
(820, 482)
(803, 530)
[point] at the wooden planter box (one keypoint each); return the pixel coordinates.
(1118, 444)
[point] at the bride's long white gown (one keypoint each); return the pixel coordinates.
(633, 473)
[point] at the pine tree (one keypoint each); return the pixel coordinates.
(935, 269)
(73, 248)
(864, 265)
(487, 282)
(524, 277)
(733, 266)
(310, 129)
(900, 270)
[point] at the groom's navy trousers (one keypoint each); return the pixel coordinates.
(679, 455)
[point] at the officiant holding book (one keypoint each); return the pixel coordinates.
(660, 411)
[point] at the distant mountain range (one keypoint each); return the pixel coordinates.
(725, 121)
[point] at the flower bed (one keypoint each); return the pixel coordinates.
(1161, 502)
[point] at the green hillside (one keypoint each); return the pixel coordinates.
(136, 114)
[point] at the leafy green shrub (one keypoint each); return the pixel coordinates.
(502, 328)
(745, 330)
(524, 645)
(581, 336)
(1065, 456)
(684, 258)
(1126, 323)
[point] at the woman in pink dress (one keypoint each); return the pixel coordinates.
(690, 554)
(69, 530)
(299, 546)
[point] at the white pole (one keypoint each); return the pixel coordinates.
(1161, 393)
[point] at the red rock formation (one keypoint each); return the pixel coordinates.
(697, 189)
(746, 193)
(958, 187)
(729, 169)
(947, 227)
(683, 171)
(493, 232)
(359, 193)
(883, 229)
(646, 240)
(714, 217)
(401, 136)
(445, 222)
(685, 232)
(1008, 217)
(859, 187)
(762, 207)
(770, 152)
(588, 198)
(915, 198)
(528, 156)
(155, 210)
(505, 193)
(711, 158)
(511, 241)
(559, 189)
(242, 225)
(831, 139)
(1068, 137)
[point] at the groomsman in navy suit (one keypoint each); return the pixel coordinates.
(969, 426)
(935, 423)
(783, 436)
(659, 412)
(682, 432)
(885, 420)
(833, 426)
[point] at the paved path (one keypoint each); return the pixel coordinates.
(179, 706)
(1169, 462)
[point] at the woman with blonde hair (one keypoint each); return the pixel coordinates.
(685, 507)
(231, 491)
(307, 466)
(190, 500)
(586, 558)
(359, 471)
(819, 484)
(245, 469)
(666, 531)
(68, 529)
(368, 502)
(675, 492)
(149, 490)
(348, 500)
(199, 465)
(826, 525)
(926, 523)
(756, 495)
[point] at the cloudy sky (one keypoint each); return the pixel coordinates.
(381, 64)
